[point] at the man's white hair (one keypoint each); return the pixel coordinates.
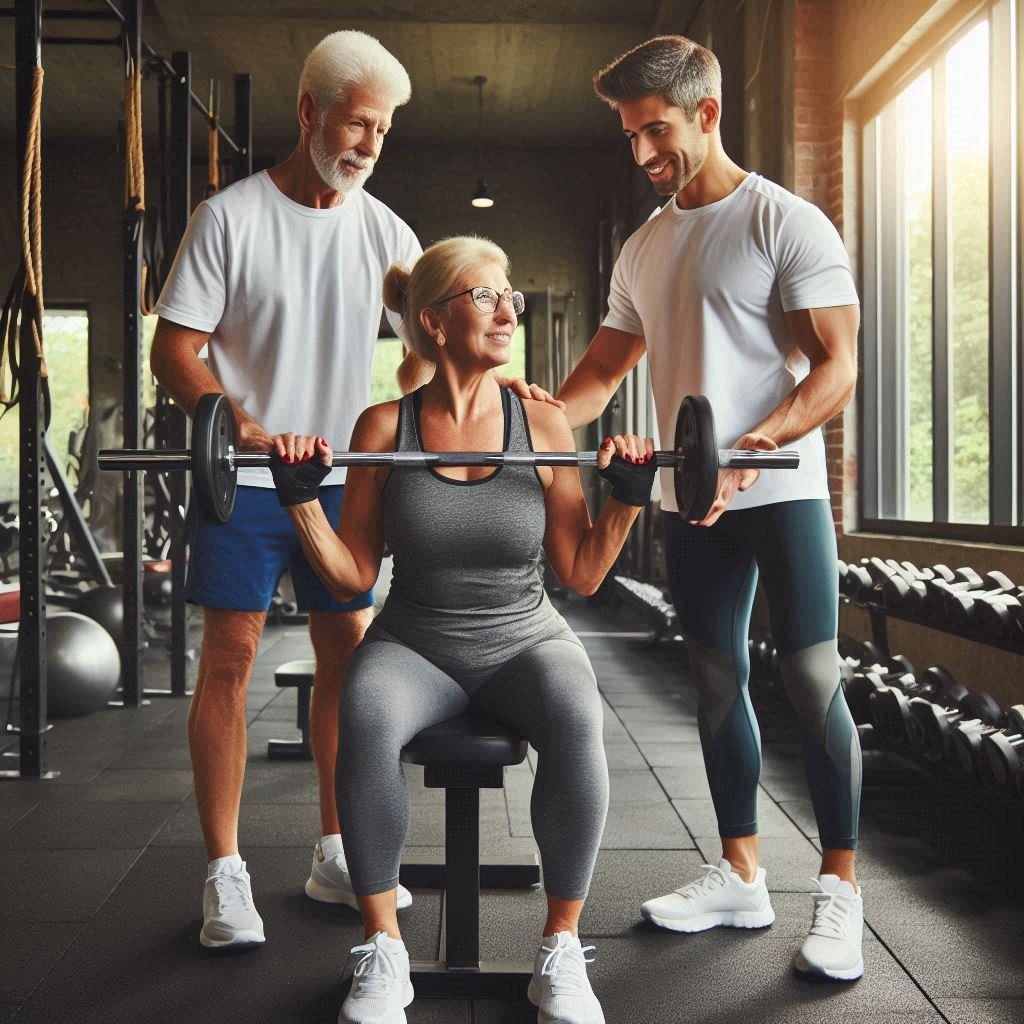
(348, 60)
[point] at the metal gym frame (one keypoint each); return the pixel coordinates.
(29, 39)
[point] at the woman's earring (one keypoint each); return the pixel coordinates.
(440, 338)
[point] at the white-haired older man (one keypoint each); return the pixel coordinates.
(280, 277)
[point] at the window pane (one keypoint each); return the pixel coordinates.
(967, 126)
(916, 111)
(66, 344)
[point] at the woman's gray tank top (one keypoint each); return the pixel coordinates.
(466, 588)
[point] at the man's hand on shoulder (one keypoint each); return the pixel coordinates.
(525, 390)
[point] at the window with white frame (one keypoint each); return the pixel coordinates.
(941, 386)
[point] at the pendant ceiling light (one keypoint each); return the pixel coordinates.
(481, 197)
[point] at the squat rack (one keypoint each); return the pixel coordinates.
(29, 39)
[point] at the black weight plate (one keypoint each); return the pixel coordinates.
(214, 480)
(696, 474)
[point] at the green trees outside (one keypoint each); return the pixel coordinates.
(66, 344)
(968, 341)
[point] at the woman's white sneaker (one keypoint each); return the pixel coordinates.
(718, 897)
(229, 914)
(834, 947)
(330, 882)
(560, 988)
(381, 988)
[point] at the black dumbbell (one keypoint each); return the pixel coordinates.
(937, 588)
(856, 583)
(1004, 750)
(1002, 617)
(905, 589)
(932, 721)
(982, 717)
(890, 707)
(959, 606)
(862, 682)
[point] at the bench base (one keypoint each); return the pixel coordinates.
(505, 980)
(427, 871)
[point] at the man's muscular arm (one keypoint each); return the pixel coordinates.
(828, 337)
(589, 388)
(175, 363)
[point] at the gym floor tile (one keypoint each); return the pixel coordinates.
(70, 826)
(624, 757)
(728, 972)
(689, 783)
(17, 798)
(63, 885)
(644, 827)
(437, 1011)
(129, 966)
(667, 700)
(623, 879)
(701, 821)
(258, 825)
(28, 952)
(950, 934)
(630, 715)
(982, 1011)
(801, 812)
(673, 755)
(7, 1011)
(613, 730)
(162, 751)
(129, 786)
(635, 787)
(660, 732)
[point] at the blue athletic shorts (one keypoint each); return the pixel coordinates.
(236, 566)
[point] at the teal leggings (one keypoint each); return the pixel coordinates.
(713, 574)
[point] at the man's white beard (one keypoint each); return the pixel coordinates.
(334, 173)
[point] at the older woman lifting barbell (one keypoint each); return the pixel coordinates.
(466, 624)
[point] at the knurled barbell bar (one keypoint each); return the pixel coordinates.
(214, 462)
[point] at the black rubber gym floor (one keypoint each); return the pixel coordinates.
(102, 873)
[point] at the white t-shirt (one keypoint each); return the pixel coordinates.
(708, 288)
(292, 298)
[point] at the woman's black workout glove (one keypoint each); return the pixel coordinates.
(297, 482)
(631, 481)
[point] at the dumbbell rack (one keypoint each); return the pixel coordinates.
(879, 614)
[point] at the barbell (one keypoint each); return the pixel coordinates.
(214, 462)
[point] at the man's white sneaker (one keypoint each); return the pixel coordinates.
(330, 882)
(560, 988)
(833, 948)
(381, 989)
(229, 915)
(718, 897)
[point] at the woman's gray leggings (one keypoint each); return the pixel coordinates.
(548, 693)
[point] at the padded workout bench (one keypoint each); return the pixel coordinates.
(462, 756)
(300, 675)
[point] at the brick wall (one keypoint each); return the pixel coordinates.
(818, 170)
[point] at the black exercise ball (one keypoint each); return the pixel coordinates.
(82, 665)
(104, 605)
